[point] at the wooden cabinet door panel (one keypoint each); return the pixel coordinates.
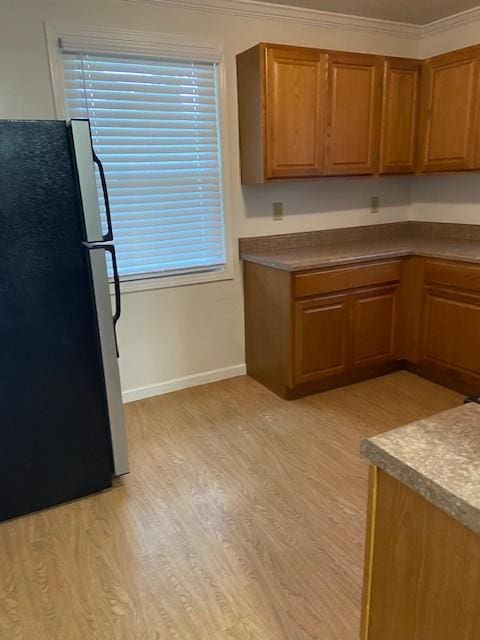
(400, 111)
(451, 330)
(374, 319)
(295, 114)
(449, 111)
(354, 102)
(422, 575)
(321, 332)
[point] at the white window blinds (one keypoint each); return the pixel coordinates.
(155, 128)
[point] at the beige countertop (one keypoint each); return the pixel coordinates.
(439, 458)
(313, 257)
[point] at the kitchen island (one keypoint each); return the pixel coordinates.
(422, 568)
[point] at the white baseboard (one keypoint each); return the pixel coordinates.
(130, 395)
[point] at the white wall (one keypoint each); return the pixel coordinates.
(448, 198)
(180, 332)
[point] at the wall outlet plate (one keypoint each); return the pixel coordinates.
(374, 204)
(277, 210)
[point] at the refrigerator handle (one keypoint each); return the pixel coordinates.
(108, 237)
(116, 284)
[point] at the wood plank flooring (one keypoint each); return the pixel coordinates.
(242, 519)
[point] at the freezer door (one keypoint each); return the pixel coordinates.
(83, 155)
(109, 355)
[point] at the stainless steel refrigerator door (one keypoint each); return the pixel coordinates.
(109, 356)
(82, 144)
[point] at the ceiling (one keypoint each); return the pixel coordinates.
(414, 11)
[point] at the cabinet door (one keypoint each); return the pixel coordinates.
(321, 332)
(400, 111)
(449, 111)
(294, 112)
(374, 320)
(451, 330)
(422, 571)
(354, 107)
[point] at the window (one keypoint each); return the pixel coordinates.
(155, 126)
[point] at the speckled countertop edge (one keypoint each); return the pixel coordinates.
(469, 253)
(342, 246)
(324, 261)
(381, 452)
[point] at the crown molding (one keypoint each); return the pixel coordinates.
(298, 15)
(451, 22)
(315, 18)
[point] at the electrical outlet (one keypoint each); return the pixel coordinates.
(374, 204)
(277, 210)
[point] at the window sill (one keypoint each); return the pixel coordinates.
(181, 280)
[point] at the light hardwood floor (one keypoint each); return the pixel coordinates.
(242, 519)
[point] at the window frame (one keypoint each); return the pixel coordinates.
(155, 45)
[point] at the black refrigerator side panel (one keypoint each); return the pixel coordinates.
(54, 432)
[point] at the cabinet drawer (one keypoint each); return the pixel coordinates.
(342, 278)
(462, 276)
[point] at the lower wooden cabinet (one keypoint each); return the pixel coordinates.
(373, 331)
(322, 328)
(451, 330)
(445, 346)
(313, 330)
(450, 337)
(335, 335)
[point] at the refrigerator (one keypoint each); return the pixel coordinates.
(62, 432)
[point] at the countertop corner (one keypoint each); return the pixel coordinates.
(437, 457)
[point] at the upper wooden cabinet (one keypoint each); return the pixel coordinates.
(449, 111)
(281, 97)
(294, 112)
(354, 103)
(400, 109)
(306, 113)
